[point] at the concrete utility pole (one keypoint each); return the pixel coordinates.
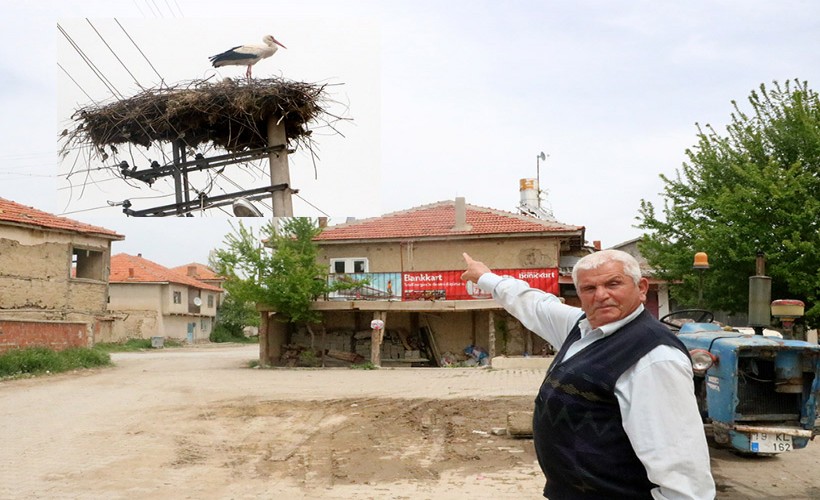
(279, 170)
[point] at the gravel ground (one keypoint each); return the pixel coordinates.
(196, 422)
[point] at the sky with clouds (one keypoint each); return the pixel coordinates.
(442, 99)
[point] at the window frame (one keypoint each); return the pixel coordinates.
(350, 265)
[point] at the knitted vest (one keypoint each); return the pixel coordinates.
(577, 427)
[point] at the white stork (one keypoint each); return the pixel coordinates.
(247, 55)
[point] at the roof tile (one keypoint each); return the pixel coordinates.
(146, 271)
(438, 220)
(16, 213)
(201, 271)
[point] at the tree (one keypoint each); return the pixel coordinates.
(278, 269)
(231, 319)
(757, 188)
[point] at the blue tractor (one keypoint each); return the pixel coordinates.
(758, 394)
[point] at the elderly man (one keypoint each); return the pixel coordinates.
(616, 415)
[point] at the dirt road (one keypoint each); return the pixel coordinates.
(197, 423)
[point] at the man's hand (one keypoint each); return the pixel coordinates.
(474, 269)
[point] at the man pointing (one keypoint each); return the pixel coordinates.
(616, 415)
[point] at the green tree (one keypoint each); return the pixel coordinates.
(756, 188)
(278, 268)
(231, 319)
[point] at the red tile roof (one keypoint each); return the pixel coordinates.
(135, 269)
(201, 271)
(17, 214)
(438, 219)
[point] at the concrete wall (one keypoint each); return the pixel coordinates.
(35, 272)
(453, 330)
(500, 253)
(38, 290)
(146, 310)
(134, 324)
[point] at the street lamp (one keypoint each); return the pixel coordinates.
(701, 263)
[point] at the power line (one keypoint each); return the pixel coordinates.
(76, 83)
(90, 64)
(159, 12)
(162, 80)
(178, 9)
(115, 54)
(138, 7)
(311, 204)
(85, 210)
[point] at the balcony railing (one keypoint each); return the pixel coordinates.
(372, 286)
(430, 285)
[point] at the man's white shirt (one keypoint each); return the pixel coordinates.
(656, 395)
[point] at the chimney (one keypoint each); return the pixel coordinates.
(130, 272)
(323, 222)
(192, 271)
(461, 215)
(597, 245)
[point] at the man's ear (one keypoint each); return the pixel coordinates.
(643, 286)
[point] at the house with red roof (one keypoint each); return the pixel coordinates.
(203, 273)
(155, 301)
(53, 279)
(409, 266)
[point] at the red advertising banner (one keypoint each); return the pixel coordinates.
(447, 285)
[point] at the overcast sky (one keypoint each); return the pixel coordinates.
(445, 99)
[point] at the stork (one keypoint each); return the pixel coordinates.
(247, 55)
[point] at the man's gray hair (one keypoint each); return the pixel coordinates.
(597, 259)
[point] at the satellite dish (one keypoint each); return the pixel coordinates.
(244, 208)
(197, 301)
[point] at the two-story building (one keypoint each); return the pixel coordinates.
(53, 279)
(410, 265)
(151, 300)
(203, 273)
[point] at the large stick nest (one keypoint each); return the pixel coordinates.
(231, 114)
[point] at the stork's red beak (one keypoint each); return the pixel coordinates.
(277, 42)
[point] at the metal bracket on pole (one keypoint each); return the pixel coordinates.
(201, 203)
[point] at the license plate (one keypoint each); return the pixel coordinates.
(763, 442)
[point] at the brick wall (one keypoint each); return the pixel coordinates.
(52, 334)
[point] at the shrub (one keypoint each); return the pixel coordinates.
(37, 360)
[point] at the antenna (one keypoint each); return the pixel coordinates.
(538, 159)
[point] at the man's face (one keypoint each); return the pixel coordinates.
(607, 294)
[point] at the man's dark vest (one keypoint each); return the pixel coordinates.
(577, 428)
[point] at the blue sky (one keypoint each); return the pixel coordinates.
(446, 99)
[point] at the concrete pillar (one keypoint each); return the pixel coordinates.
(376, 337)
(263, 338)
(279, 170)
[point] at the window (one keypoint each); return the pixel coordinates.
(87, 264)
(210, 300)
(349, 265)
(177, 297)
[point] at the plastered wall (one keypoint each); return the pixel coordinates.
(499, 253)
(35, 276)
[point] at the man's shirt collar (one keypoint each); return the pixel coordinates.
(609, 328)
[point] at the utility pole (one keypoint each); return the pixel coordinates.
(279, 170)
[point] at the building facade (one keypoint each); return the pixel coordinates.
(150, 300)
(53, 279)
(408, 265)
